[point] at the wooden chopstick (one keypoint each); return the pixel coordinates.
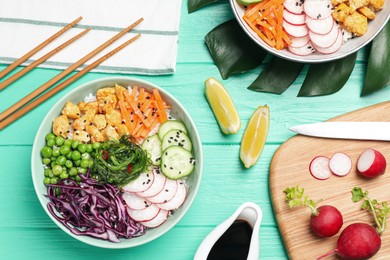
(37, 48)
(27, 69)
(62, 85)
(64, 73)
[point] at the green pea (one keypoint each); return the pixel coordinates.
(82, 170)
(85, 156)
(50, 136)
(51, 175)
(60, 140)
(53, 163)
(64, 150)
(64, 175)
(46, 152)
(77, 178)
(73, 171)
(61, 160)
(89, 148)
(76, 155)
(46, 180)
(75, 143)
(54, 180)
(51, 142)
(46, 161)
(68, 164)
(47, 172)
(90, 163)
(69, 155)
(56, 152)
(68, 142)
(82, 148)
(84, 164)
(57, 170)
(77, 163)
(96, 145)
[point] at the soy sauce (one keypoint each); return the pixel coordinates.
(234, 243)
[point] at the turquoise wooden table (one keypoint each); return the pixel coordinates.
(26, 232)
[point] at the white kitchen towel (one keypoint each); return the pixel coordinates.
(24, 24)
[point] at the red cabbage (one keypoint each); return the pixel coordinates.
(92, 209)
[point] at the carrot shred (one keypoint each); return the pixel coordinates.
(160, 106)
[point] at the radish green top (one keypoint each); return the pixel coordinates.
(295, 197)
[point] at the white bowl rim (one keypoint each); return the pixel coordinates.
(104, 243)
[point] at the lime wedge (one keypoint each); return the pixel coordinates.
(222, 106)
(254, 137)
(249, 2)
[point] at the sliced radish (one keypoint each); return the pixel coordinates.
(294, 6)
(178, 199)
(334, 47)
(157, 185)
(297, 42)
(302, 51)
(340, 164)
(325, 41)
(134, 201)
(142, 183)
(166, 194)
(318, 9)
(371, 163)
(319, 168)
(295, 19)
(320, 26)
(145, 214)
(158, 220)
(295, 30)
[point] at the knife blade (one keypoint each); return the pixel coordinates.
(378, 131)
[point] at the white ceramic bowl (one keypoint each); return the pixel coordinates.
(351, 46)
(78, 94)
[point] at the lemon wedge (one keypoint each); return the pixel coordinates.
(254, 137)
(222, 106)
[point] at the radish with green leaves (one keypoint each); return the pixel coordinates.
(325, 221)
(360, 240)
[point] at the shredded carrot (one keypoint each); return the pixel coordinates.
(266, 20)
(160, 106)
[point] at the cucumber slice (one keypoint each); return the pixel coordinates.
(152, 145)
(176, 137)
(177, 162)
(169, 125)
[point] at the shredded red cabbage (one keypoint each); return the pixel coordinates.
(92, 209)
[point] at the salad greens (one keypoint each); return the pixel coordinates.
(119, 162)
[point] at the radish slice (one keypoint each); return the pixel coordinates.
(142, 183)
(319, 168)
(134, 201)
(340, 164)
(297, 42)
(166, 194)
(333, 48)
(325, 41)
(295, 19)
(302, 51)
(157, 185)
(318, 9)
(294, 6)
(178, 199)
(295, 30)
(145, 214)
(158, 220)
(322, 26)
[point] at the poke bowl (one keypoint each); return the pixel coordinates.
(117, 162)
(312, 31)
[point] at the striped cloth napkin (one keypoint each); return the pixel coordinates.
(24, 24)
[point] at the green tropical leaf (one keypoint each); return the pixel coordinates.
(232, 50)
(328, 77)
(377, 75)
(194, 5)
(277, 76)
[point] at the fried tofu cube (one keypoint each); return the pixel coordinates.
(106, 99)
(341, 12)
(71, 110)
(355, 4)
(99, 121)
(114, 117)
(61, 126)
(95, 134)
(337, 2)
(122, 130)
(377, 4)
(356, 23)
(119, 91)
(110, 133)
(81, 136)
(367, 12)
(84, 107)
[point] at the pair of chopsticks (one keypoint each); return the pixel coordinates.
(23, 106)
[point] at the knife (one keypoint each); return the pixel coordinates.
(346, 130)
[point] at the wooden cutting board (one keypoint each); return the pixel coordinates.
(290, 167)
